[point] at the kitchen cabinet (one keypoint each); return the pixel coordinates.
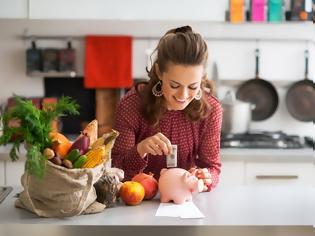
(267, 167)
(14, 9)
(279, 173)
(128, 10)
(14, 171)
(232, 173)
(2, 173)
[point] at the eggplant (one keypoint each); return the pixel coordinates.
(82, 144)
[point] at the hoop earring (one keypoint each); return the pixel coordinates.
(198, 95)
(157, 89)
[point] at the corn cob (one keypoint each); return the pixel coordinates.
(95, 157)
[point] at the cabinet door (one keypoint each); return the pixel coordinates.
(128, 10)
(14, 171)
(14, 9)
(232, 173)
(280, 173)
(2, 173)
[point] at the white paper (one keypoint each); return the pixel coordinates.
(186, 210)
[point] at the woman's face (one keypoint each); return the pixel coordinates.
(180, 84)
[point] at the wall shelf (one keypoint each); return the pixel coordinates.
(37, 74)
(153, 30)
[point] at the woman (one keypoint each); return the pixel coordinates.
(174, 107)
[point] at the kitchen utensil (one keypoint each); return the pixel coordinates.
(67, 58)
(236, 114)
(300, 98)
(33, 59)
(259, 92)
(50, 60)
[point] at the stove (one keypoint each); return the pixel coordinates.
(266, 140)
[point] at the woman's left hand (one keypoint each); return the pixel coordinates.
(204, 178)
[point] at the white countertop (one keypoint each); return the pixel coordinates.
(255, 206)
(228, 154)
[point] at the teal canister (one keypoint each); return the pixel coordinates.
(275, 10)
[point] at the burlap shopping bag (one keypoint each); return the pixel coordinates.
(64, 192)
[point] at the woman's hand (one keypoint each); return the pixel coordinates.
(204, 178)
(157, 144)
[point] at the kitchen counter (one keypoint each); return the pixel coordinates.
(259, 205)
(228, 154)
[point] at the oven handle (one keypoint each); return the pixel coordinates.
(277, 177)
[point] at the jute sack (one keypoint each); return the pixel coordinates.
(61, 192)
(64, 192)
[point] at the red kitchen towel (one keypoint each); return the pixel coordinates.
(108, 62)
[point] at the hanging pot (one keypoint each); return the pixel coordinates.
(300, 98)
(261, 93)
(33, 59)
(67, 58)
(237, 115)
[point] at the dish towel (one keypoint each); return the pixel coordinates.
(108, 62)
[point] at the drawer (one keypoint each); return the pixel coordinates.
(280, 173)
(232, 173)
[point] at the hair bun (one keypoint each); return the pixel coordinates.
(183, 29)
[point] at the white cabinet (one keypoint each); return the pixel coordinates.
(267, 167)
(210, 10)
(232, 173)
(279, 173)
(14, 9)
(14, 171)
(2, 173)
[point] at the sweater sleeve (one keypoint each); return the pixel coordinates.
(124, 153)
(209, 148)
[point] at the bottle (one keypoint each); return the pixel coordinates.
(258, 10)
(301, 10)
(237, 11)
(275, 10)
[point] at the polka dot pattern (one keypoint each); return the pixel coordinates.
(198, 143)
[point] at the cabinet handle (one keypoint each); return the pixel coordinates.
(277, 176)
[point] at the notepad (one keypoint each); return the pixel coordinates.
(188, 210)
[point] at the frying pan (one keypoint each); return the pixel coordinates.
(259, 92)
(300, 97)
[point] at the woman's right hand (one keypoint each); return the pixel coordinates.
(157, 144)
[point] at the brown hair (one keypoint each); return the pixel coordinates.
(180, 46)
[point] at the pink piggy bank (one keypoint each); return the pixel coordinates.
(176, 185)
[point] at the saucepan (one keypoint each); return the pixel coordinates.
(237, 114)
(259, 92)
(300, 97)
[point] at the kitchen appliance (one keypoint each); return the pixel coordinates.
(236, 114)
(265, 140)
(259, 92)
(300, 97)
(33, 59)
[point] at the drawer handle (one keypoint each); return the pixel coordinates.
(277, 176)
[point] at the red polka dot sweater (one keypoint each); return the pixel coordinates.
(198, 143)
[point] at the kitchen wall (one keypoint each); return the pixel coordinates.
(282, 62)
